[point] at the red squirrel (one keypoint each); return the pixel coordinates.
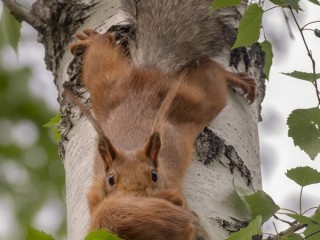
(147, 121)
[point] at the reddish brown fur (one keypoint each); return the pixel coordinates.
(140, 218)
(125, 101)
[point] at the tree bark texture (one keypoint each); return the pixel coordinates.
(227, 150)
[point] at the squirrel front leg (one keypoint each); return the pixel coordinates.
(104, 63)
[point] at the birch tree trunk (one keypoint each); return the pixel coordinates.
(227, 150)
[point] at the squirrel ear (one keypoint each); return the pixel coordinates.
(106, 150)
(153, 147)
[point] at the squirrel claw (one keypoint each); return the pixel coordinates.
(248, 85)
(85, 39)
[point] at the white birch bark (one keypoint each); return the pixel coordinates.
(230, 146)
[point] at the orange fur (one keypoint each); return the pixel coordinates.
(135, 145)
(133, 217)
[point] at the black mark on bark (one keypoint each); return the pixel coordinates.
(210, 147)
(235, 225)
(60, 20)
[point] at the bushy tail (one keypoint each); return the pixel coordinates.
(166, 104)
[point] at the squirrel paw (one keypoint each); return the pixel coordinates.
(87, 37)
(246, 83)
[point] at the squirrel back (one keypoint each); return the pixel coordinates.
(171, 34)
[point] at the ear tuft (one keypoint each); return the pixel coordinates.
(153, 147)
(106, 150)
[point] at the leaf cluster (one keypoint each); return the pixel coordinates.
(262, 208)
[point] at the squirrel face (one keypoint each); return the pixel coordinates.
(134, 172)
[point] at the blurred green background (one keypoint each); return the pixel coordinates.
(31, 173)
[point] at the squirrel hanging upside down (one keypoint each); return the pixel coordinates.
(147, 121)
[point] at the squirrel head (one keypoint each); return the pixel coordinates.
(131, 172)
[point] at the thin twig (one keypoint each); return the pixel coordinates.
(315, 84)
(270, 8)
(285, 221)
(275, 228)
(292, 229)
(287, 23)
(288, 210)
(310, 23)
(21, 14)
(308, 29)
(270, 234)
(309, 210)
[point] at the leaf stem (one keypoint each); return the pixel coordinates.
(310, 23)
(284, 221)
(270, 8)
(308, 29)
(289, 210)
(315, 84)
(309, 210)
(300, 201)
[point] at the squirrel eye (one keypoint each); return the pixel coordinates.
(154, 175)
(111, 180)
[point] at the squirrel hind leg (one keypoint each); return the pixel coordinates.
(245, 82)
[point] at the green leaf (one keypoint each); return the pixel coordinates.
(311, 77)
(304, 128)
(53, 124)
(249, 27)
(56, 133)
(53, 121)
(254, 228)
(223, 3)
(313, 225)
(267, 49)
(101, 235)
(304, 176)
(315, 2)
(261, 204)
(303, 219)
(9, 29)
(294, 4)
(34, 234)
(317, 32)
(293, 236)
(316, 216)
(312, 232)
(278, 2)
(237, 200)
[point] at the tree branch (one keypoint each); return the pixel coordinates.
(315, 84)
(21, 14)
